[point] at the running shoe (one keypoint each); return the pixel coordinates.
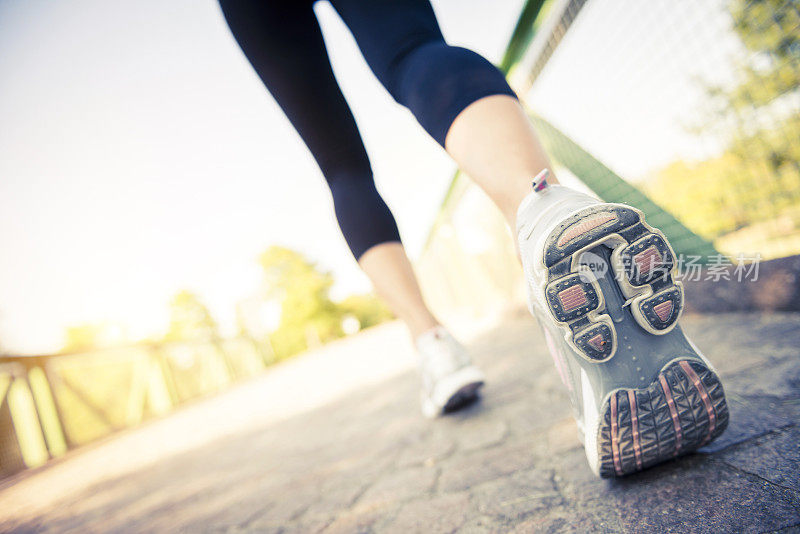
(449, 380)
(601, 283)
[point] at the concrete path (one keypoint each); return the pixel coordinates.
(333, 442)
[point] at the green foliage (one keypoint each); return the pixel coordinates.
(758, 177)
(699, 194)
(190, 319)
(770, 29)
(308, 315)
(301, 288)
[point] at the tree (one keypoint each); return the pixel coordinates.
(308, 315)
(190, 319)
(768, 28)
(770, 77)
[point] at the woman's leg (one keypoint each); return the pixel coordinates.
(493, 141)
(462, 100)
(282, 41)
(388, 267)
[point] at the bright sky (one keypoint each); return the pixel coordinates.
(140, 155)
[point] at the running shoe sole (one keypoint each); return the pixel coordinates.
(648, 394)
(643, 261)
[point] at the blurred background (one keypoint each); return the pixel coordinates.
(165, 233)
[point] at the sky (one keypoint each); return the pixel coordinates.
(140, 155)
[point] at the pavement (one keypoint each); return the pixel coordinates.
(332, 441)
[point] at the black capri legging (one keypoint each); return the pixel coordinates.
(404, 47)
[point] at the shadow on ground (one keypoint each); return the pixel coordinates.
(510, 462)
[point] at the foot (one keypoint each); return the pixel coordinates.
(600, 282)
(449, 380)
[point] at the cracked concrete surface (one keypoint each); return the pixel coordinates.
(368, 462)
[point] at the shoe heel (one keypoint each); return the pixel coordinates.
(683, 409)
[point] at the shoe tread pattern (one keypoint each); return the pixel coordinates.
(658, 431)
(613, 218)
(593, 225)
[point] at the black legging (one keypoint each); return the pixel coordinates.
(404, 47)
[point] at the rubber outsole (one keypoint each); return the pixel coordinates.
(642, 264)
(683, 409)
(463, 397)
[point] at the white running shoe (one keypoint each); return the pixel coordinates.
(600, 282)
(449, 380)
